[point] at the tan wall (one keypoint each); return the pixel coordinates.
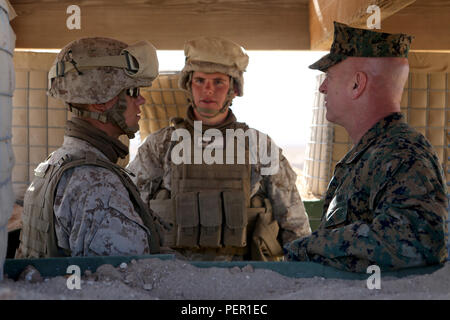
(38, 120)
(164, 100)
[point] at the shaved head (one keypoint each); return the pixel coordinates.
(362, 91)
(386, 76)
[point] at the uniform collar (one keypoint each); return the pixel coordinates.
(111, 147)
(380, 129)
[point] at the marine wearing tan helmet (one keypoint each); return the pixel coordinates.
(210, 55)
(95, 70)
(224, 210)
(99, 79)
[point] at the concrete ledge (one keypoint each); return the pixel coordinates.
(52, 267)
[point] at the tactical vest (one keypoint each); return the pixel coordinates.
(210, 209)
(38, 238)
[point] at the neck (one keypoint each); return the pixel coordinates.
(366, 120)
(111, 147)
(228, 121)
(108, 128)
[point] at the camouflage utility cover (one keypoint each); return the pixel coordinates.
(214, 54)
(386, 205)
(94, 85)
(354, 42)
(152, 169)
(94, 215)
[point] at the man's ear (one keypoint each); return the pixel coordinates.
(359, 82)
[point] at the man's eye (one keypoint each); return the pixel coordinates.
(198, 80)
(219, 82)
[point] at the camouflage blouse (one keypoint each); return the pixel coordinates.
(94, 215)
(386, 205)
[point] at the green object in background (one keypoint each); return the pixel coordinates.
(314, 211)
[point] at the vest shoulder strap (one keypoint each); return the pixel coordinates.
(177, 122)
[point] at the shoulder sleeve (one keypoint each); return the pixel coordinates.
(95, 216)
(280, 187)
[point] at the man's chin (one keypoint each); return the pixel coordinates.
(207, 109)
(210, 112)
(134, 128)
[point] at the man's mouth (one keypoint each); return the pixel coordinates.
(207, 101)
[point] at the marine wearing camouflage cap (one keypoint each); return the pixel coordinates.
(386, 203)
(354, 42)
(95, 70)
(211, 55)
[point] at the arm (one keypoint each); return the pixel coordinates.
(95, 216)
(148, 165)
(287, 205)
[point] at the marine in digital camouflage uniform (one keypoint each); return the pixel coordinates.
(80, 202)
(386, 203)
(211, 60)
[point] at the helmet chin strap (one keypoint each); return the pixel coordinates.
(211, 113)
(114, 115)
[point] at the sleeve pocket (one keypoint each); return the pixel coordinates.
(337, 212)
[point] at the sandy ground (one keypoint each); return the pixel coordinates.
(156, 279)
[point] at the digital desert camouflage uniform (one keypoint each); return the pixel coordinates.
(218, 211)
(80, 202)
(152, 169)
(94, 214)
(387, 201)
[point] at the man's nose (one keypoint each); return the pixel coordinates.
(208, 87)
(323, 87)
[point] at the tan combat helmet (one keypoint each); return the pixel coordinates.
(95, 70)
(210, 55)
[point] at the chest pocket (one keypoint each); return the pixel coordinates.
(337, 212)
